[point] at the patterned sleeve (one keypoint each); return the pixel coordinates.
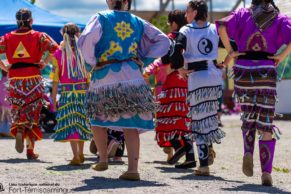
(48, 44)
(231, 23)
(154, 43)
(286, 30)
(55, 74)
(2, 44)
(89, 38)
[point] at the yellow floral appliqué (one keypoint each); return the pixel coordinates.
(114, 47)
(133, 48)
(123, 30)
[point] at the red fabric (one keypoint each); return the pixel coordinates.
(24, 72)
(26, 47)
(173, 89)
(25, 95)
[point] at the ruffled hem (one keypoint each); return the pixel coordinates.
(214, 136)
(203, 94)
(163, 137)
(114, 100)
(198, 126)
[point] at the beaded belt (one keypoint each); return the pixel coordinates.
(74, 87)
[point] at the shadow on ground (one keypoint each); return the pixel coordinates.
(158, 162)
(22, 160)
(99, 183)
(69, 168)
(173, 170)
(205, 178)
(96, 159)
(255, 188)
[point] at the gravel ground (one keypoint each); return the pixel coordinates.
(17, 175)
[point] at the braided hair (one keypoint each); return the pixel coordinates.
(202, 9)
(71, 51)
(23, 17)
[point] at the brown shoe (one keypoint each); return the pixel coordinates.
(130, 176)
(82, 158)
(212, 156)
(75, 162)
(93, 148)
(202, 171)
(101, 166)
(32, 156)
(267, 179)
(248, 165)
(19, 143)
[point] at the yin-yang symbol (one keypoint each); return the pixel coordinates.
(203, 151)
(205, 46)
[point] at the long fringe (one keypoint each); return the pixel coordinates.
(26, 86)
(204, 107)
(171, 135)
(117, 99)
(74, 60)
(210, 138)
(206, 123)
(72, 118)
(204, 94)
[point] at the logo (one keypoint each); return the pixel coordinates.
(21, 52)
(1, 188)
(205, 46)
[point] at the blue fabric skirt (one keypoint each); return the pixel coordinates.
(119, 98)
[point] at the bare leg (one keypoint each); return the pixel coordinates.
(100, 139)
(81, 147)
(132, 145)
(74, 146)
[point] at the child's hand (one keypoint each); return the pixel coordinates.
(278, 59)
(41, 64)
(235, 54)
(184, 73)
(220, 65)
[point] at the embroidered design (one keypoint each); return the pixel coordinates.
(123, 30)
(257, 42)
(133, 48)
(21, 52)
(114, 47)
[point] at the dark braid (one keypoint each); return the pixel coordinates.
(23, 17)
(118, 5)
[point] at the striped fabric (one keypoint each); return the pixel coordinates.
(255, 90)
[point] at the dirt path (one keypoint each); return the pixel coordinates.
(19, 176)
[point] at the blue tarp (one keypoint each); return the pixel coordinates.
(42, 20)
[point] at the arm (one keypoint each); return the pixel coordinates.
(154, 43)
(226, 42)
(3, 67)
(47, 45)
(177, 59)
(55, 76)
(281, 56)
(88, 40)
(54, 94)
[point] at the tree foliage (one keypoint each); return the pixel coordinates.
(161, 22)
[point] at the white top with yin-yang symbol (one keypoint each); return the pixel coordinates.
(202, 42)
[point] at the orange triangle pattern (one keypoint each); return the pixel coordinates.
(21, 52)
